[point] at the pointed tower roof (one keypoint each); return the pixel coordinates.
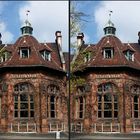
(109, 28)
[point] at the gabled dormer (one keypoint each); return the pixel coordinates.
(5, 55)
(24, 52)
(46, 55)
(129, 55)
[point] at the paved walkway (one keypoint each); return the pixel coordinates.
(64, 136)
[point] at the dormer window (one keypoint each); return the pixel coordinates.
(129, 55)
(87, 56)
(4, 56)
(46, 55)
(108, 53)
(24, 52)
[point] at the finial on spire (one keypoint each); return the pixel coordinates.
(27, 28)
(110, 12)
(27, 13)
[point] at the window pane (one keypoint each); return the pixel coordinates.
(107, 97)
(16, 114)
(81, 115)
(107, 114)
(99, 106)
(108, 106)
(52, 114)
(136, 99)
(16, 106)
(135, 114)
(99, 98)
(23, 113)
(115, 114)
(135, 106)
(23, 97)
(23, 105)
(99, 114)
(52, 106)
(16, 97)
(115, 105)
(31, 98)
(32, 113)
(31, 105)
(115, 98)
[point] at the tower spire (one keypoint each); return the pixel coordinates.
(110, 12)
(109, 28)
(27, 28)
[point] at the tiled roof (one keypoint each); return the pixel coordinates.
(35, 58)
(118, 60)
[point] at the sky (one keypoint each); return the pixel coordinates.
(125, 16)
(46, 17)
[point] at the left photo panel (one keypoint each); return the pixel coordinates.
(33, 67)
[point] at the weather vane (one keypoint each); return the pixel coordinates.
(27, 13)
(110, 12)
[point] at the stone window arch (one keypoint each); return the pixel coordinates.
(53, 101)
(135, 101)
(23, 101)
(107, 101)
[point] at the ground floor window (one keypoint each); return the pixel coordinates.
(23, 106)
(0, 105)
(107, 101)
(23, 101)
(80, 107)
(135, 99)
(52, 106)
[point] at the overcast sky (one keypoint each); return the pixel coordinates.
(46, 17)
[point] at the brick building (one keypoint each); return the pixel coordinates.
(109, 99)
(32, 84)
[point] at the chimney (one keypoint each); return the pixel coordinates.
(0, 39)
(59, 44)
(80, 38)
(139, 38)
(58, 38)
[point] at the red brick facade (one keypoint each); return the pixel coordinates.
(32, 85)
(109, 100)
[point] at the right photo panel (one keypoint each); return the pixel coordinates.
(105, 69)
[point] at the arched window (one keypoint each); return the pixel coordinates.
(135, 99)
(80, 103)
(107, 101)
(52, 101)
(23, 101)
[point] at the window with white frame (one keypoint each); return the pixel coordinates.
(107, 101)
(4, 56)
(52, 101)
(46, 55)
(135, 99)
(87, 56)
(129, 55)
(80, 107)
(23, 101)
(108, 53)
(24, 52)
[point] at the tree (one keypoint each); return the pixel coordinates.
(76, 21)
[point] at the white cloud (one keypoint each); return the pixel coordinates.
(6, 35)
(125, 16)
(46, 18)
